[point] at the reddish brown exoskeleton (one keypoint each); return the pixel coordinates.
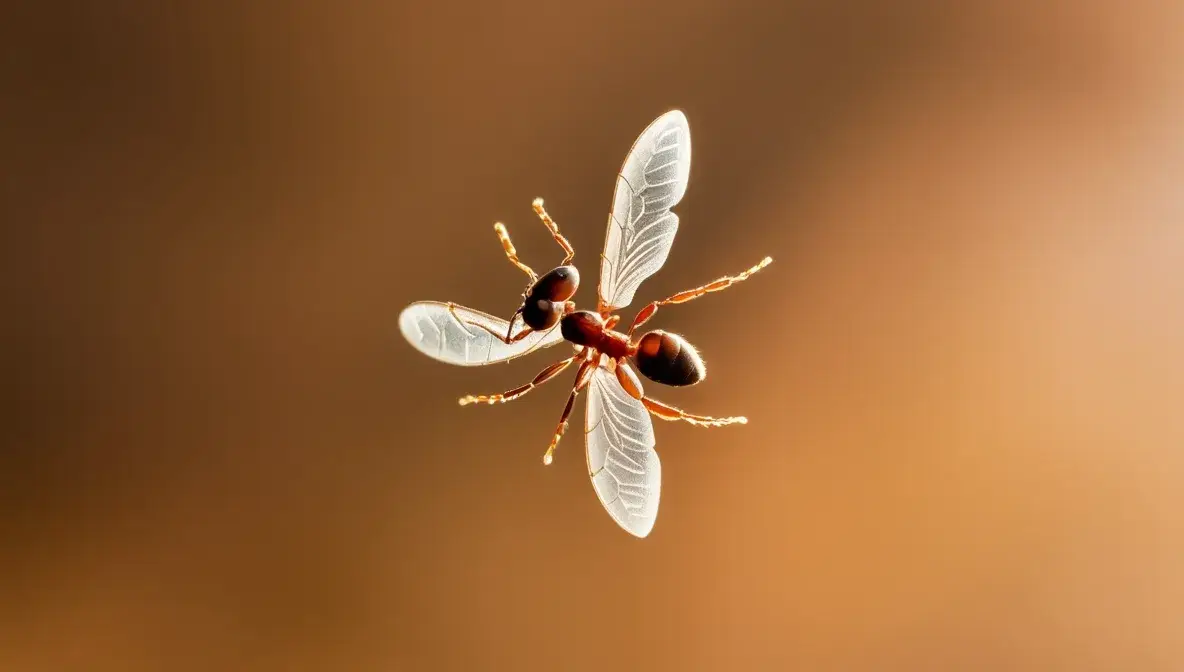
(622, 462)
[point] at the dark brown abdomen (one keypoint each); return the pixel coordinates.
(669, 359)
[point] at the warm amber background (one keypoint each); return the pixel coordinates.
(964, 372)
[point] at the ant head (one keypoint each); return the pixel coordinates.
(558, 285)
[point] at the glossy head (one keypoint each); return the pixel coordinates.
(669, 359)
(556, 286)
(582, 327)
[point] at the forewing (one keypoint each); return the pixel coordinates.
(641, 226)
(622, 462)
(439, 330)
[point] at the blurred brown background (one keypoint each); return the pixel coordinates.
(964, 371)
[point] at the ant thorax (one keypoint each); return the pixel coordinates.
(583, 327)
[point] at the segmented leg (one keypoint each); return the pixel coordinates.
(583, 377)
(510, 395)
(510, 326)
(668, 412)
(511, 253)
(554, 229)
(507, 339)
(682, 297)
(629, 380)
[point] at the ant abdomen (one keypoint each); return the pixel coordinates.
(669, 359)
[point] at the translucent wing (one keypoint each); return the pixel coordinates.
(439, 330)
(641, 227)
(624, 467)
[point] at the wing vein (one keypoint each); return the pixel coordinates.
(641, 226)
(622, 464)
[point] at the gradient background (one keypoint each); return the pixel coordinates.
(964, 371)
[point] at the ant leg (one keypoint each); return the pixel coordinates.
(612, 321)
(668, 412)
(554, 229)
(545, 375)
(629, 380)
(511, 253)
(526, 331)
(682, 297)
(510, 327)
(583, 377)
